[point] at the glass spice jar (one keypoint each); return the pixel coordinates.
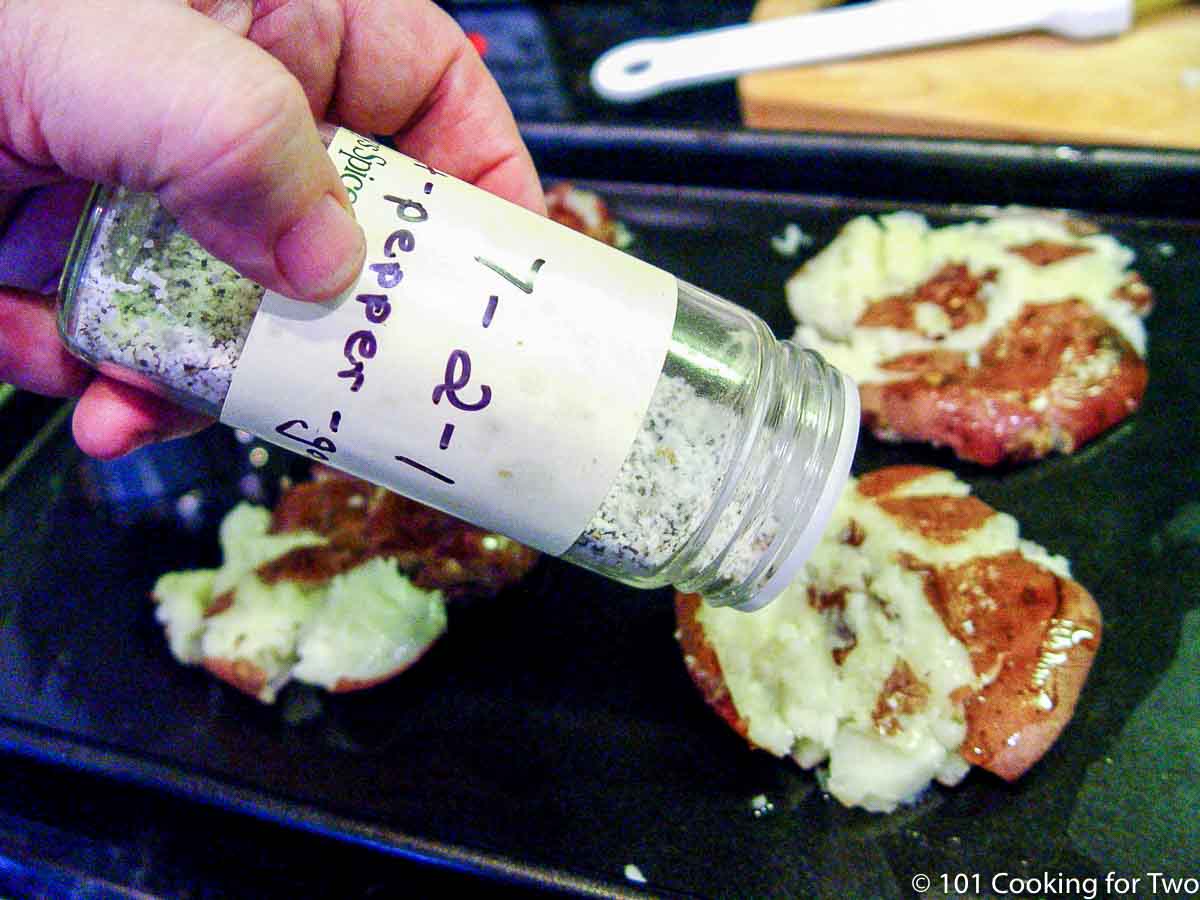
(738, 446)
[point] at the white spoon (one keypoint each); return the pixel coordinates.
(639, 69)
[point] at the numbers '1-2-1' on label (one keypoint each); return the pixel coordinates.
(489, 362)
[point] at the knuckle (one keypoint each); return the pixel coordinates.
(240, 132)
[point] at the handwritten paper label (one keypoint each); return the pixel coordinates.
(489, 362)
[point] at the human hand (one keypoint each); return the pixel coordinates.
(211, 106)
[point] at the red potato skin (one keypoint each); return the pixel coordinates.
(239, 673)
(1007, 732)
(436, 551)
(1012, 605)
(702, 664)
(953, 289)
(1033, 392)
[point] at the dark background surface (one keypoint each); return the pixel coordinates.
(139, 830)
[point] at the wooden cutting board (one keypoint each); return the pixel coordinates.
(1142, 88)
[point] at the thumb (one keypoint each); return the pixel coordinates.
(156, 96)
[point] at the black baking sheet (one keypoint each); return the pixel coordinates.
(554, 736)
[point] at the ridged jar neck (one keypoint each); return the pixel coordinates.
(801, 435)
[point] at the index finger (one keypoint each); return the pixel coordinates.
(217, 128)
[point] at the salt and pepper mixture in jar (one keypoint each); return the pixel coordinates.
(498, 366)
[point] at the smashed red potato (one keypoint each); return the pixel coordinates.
(1020, 337)
(1028, 630)
(343, 585)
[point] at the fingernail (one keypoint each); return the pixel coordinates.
(322, 253)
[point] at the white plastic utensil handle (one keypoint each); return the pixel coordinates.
(639, 69)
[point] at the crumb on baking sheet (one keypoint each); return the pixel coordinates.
(790, 240)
